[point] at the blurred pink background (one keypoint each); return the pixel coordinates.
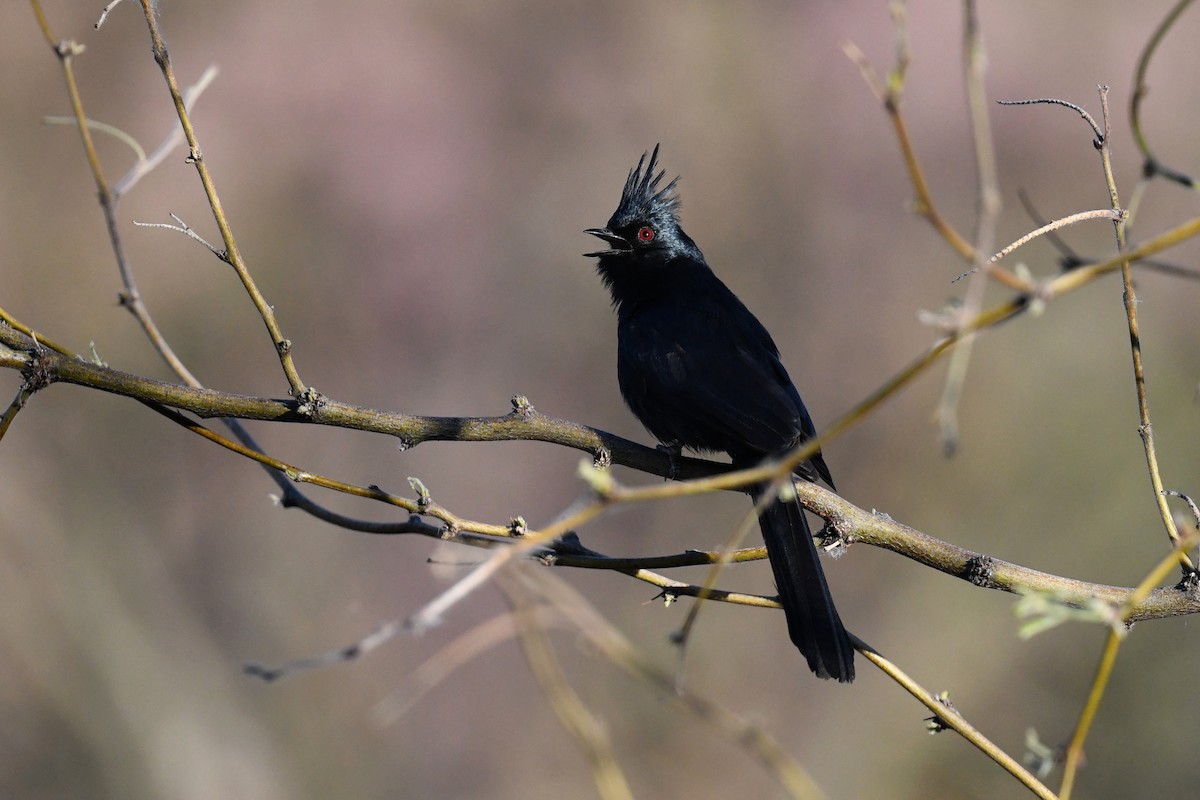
(408, 182)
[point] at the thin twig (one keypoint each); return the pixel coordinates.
(987, 210)
(584, 726)
(173, 139)
(1135, 341)
(1103, 145)
(890, 93)
(1070, 259)
(130, 297)
(951, 718)
(104, 13)
(233, 256)
(36, 339)
(1054, 101)
(1151, 166)
(103, 127)
(1074, 751)
(616, 647)
(683, 635)
(382, 634)
(1058, 224)
(1048, 231)
(1112, 644)
(182, 227)
(13, 409)
(460, 651)
(1195, 509)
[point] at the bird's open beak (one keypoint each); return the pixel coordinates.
(619, 245)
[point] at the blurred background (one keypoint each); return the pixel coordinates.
(409, 182)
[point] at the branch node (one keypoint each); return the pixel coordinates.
(979, 571)
(521, 406)
(831, 540)
(38, 374)
(68, 49)
(1189, 584)
(309, 403)
(938, 723)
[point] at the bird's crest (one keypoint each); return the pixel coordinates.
(642, 198)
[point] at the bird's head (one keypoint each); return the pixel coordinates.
(644, 230)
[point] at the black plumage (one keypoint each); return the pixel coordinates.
(700, 371)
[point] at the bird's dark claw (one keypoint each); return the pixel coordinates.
(673, 450)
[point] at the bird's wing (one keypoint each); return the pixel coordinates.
(710, 372)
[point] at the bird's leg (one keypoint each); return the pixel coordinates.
(673, 450)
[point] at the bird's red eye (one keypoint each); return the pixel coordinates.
(646, 235)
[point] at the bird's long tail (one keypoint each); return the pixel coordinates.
(813, 622)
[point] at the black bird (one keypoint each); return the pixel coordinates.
(700, 371)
